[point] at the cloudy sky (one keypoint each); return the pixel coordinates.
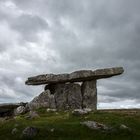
(56, 36)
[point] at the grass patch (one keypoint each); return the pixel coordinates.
(65, 126)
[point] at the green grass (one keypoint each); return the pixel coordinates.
(68, 127)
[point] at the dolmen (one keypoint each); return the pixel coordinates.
(70, 91)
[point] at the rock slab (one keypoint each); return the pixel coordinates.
(45, 99)
(77, 76)
(89, 93)
(68, 96)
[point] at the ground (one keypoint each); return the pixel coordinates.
(65, 126)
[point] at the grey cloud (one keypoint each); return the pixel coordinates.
(29, 26)
(83, 35)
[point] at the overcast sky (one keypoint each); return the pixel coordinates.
(56, 36)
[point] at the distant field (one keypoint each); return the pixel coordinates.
(68, 127)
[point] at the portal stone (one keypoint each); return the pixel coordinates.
(89, 93)
(45, 99)
(68, 96)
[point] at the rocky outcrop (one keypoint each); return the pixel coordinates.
(77, 76)
(70, 91)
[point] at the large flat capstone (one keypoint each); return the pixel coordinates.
(77, 76)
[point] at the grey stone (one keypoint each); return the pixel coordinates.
(89, 93)
(20, 110)
(51, 110)
(77, 76)
(14, 131)
(68, 96)
(7, 109)
(30, 131)
(124, 127)
(79, 112)
(52, 130)
(87, 109)
(33, 114)
(95, 125)
(45, 99)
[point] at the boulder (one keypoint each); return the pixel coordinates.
(51, 110)
(30, 131)
(77, 76)
(7, 109)
(68, 96)
(95, 125)
(45, 99)
(33, 115)
(89, 93)
(79, 112)
(124, 127)
(20, 110)
(14, 131)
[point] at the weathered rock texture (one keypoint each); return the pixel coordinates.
(62, 93)
(8, 109)
(20, 110)
(45, 99)
(68, 96)
(89, 92)
(77, 76)
(30, 131)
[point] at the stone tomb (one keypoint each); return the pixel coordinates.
(70, 91)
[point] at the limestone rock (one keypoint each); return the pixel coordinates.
(87, 109)
(79, 112)
(30, 132)
(14, 131)
(45, 99)
(68, 96)
(89, 93)
(77, 76)
(124, 127)
(95, 125)
(20, 110)
(7, 109)
(51, 110)
(33, 115)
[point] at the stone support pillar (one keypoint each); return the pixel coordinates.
(89, 93)
(68, 96)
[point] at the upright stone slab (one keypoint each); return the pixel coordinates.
(89, 93)
(68, 96)
(45, 99)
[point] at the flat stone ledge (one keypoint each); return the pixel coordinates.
(77, 76)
